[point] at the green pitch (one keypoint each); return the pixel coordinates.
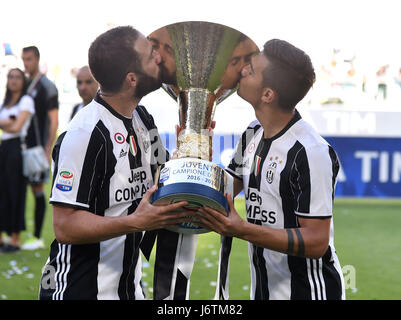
(367, 239)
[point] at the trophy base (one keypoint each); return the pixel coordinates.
(197, 197)
(199, 182)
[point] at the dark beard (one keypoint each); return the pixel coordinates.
(147, 84)
(167, 78)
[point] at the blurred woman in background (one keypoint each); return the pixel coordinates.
(15, 116)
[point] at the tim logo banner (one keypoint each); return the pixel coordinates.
(371, 167)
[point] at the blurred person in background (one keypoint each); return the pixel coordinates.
(15, 116)
(381, 78)
(398, 78)
(45, 95)
(87, 87)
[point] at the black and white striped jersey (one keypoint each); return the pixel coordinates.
(104, 163)
(290, 175)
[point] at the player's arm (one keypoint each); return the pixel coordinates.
(309, 240)
(79, 174)
(78, 226)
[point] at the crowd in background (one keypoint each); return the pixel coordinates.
(344, 79)
(28, 118)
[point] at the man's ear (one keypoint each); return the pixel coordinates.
(131, 79)
(268, 95)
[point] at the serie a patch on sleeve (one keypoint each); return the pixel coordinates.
(65, 180)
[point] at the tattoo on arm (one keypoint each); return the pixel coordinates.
(301, 244)
(290, 249)
(291, 243)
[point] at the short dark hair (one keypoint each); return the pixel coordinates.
(34, 49)
(290, 72)
(112, 56)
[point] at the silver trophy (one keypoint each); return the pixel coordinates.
(201, 65)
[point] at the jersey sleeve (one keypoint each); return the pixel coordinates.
(313, 178)
(79, 168)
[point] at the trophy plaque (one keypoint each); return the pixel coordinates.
(201, 66)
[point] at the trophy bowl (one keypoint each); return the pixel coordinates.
(200, 66)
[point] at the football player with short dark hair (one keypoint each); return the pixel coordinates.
(288, 172)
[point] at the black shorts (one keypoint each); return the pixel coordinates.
(12, 187)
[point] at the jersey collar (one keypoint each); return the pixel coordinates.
(101, 101)
(294, 119)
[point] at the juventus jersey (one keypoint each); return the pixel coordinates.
(104, 163)
(288, 176)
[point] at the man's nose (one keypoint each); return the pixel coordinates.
(158, 57)
(244, 71)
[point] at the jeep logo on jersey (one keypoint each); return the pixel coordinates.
(65, 180)
(137, 176)
(138, 185)
(119, 138)
(255, 210)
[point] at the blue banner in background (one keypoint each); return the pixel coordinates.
(370, 166)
